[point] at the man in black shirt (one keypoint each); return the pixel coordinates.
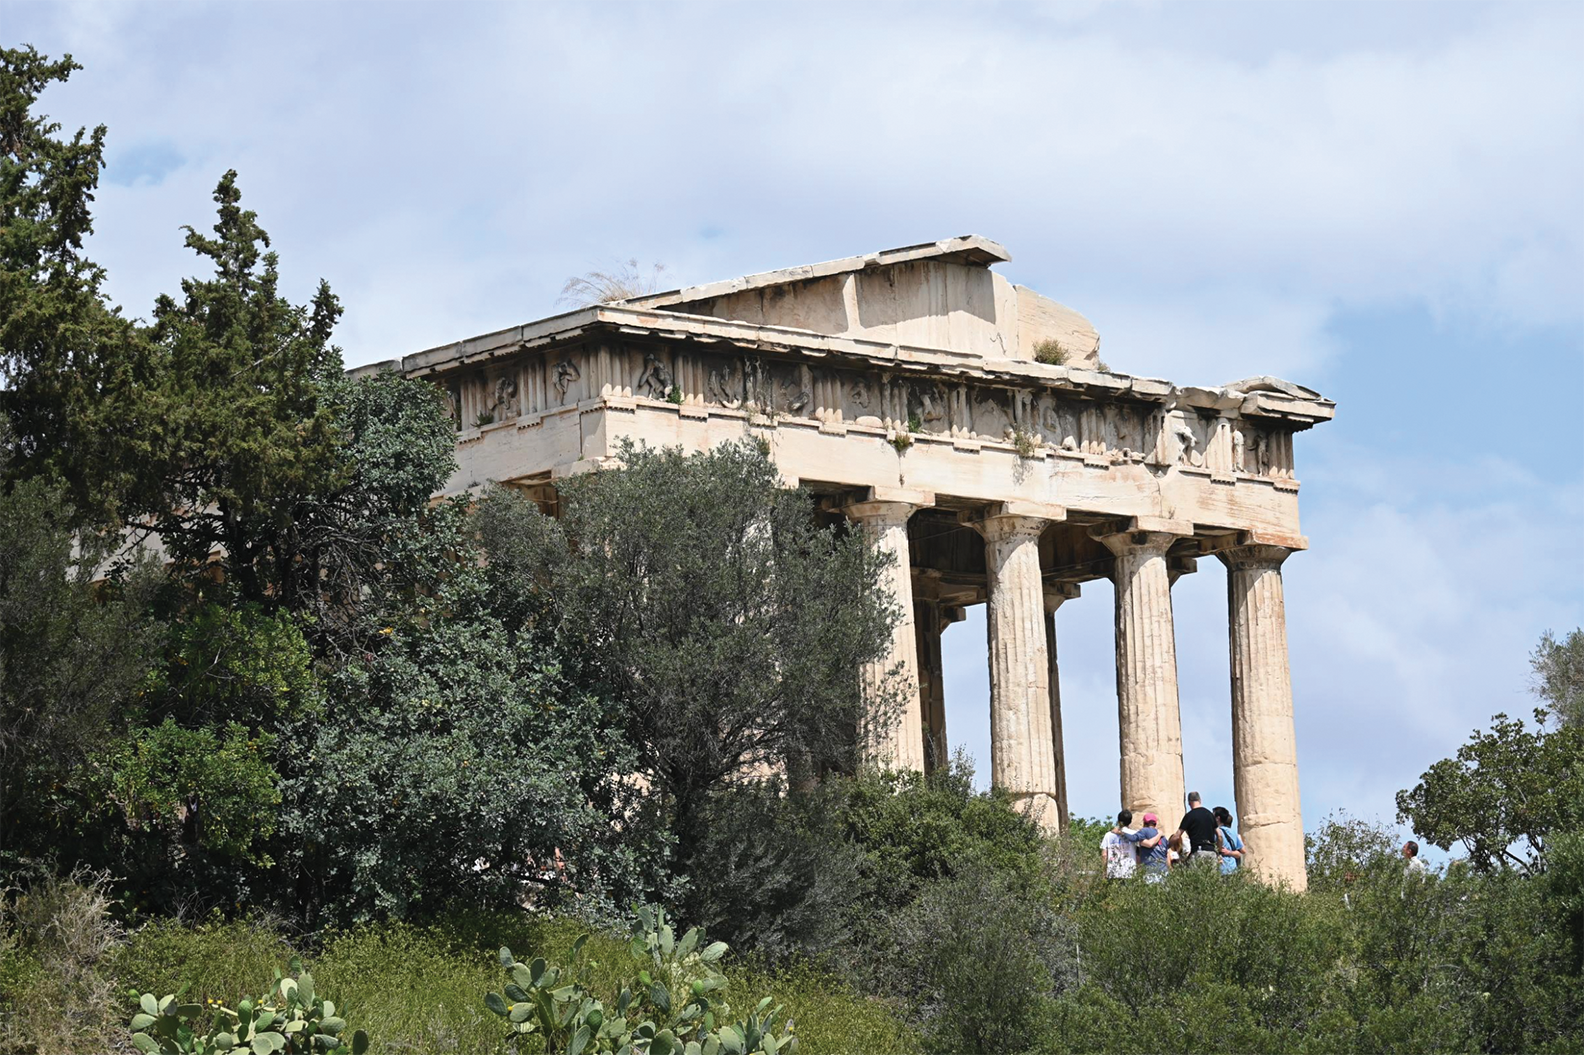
(1198, 829)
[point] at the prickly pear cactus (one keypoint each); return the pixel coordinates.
(671, 1007)
(288, 1018)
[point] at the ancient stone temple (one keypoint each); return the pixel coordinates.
(969, 427)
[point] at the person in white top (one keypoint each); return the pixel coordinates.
(1119, 855)
(1415, 864)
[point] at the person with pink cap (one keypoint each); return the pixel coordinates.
(1153, 855)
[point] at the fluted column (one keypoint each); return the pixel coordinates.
(1054, 596)
(1148, 716)
(1264, 748)
(1022, 751)
(927, 626)
(893, 740)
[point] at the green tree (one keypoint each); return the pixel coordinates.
(455, 761)
(246, 435)
(710, 606)
(1559, 675)
(69, 660)
(1503, 795)
(67, 360)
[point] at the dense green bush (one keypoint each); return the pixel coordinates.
(781, 881)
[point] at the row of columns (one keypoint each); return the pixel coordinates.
(1026, 756)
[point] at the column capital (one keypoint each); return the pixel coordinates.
(1057, 593)
(1133, 534)
(887, 504)
(1255, 557)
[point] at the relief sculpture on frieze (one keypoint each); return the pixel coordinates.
(726, 384)
(503, 398)
(991, 417)
(655, 380)
(927, 403)
(566, 375)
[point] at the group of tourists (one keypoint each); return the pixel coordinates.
(1204, 839)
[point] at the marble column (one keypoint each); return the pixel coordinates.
(1148, 717)
(1022, 751)
(1054, 596)
(928, 622)
(1264, 749)
(893, 739)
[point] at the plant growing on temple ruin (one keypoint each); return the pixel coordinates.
(672, 1005)
(1024, 443)
(674, 395)
(901, 441)
(915, 423)
(288, 1018)
(1102, 366)
(486, 418)
(1050, 352)
(624, 281)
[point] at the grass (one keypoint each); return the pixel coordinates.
(421, 988)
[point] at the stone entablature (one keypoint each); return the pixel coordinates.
(991, 477)
(1227, 452)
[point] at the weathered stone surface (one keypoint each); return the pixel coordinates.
(1022, 747)
(1264, 748)
(1149, 721)
(898, 744)
(1054, 597)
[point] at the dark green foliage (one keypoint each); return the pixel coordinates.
(907, 830)
(67, 361)
(68, 659)
(979, 958)
(780, 881)
(1559, 675)
(246, 436)
(1503, 794)
(1344, 850)
(709, 606)
(455, 759)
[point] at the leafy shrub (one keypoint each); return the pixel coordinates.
(979, 957)
(1050, 352)
(775, 879)
(289, 1018)
(906, 829)
(665, 1009)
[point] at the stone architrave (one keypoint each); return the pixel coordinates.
(1022, 746)
(1054, 596)
(894, 741)
(1264, 748)
(1148, 715)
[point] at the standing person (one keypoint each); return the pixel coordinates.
(1152, 846)
(1415, 863)
(1117, 852)
(1198, 829)
(1230, 843)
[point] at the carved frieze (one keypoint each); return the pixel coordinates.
(1076, 423)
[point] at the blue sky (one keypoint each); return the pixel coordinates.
(1379, 201)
